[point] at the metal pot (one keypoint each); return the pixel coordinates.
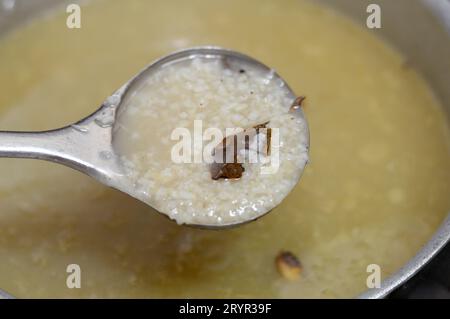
(418, 28)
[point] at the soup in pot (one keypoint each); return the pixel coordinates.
(375, 190)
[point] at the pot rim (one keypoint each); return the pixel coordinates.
(440, 238)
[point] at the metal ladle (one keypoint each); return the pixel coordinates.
(87, 144)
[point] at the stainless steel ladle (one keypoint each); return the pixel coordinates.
(87, 144)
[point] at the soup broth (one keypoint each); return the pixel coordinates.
(374, 192)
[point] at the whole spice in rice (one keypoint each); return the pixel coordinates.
(288, 265)
(234, 169)
(298, 103)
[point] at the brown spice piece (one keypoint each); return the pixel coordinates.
(269, 141)
(234, 169)
(228, 171)
(269, 136)
(288, 265)
(262, 125)
(297, 103)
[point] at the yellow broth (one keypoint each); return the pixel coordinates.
(376, 188)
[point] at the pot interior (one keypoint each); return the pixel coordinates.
(418, 29)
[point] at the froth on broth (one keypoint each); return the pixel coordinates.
(375, 190)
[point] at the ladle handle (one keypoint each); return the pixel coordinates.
(85, 148)
(47, 145)
(64, 146)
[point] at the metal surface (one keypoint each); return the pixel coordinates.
(84, 146)
(426, 254)
(420, 29)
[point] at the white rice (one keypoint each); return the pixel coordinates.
(222, 97)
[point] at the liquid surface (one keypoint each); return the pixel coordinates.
(170, 133)
(375, 190)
